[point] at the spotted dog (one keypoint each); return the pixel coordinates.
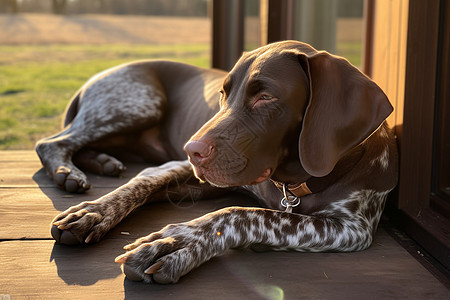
(302, 130)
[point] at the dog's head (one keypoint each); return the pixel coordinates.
(281, 95)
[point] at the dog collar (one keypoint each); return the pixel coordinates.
(296, 190)
(292, 193)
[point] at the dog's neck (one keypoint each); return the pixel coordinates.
(291, 173)
(290, 169)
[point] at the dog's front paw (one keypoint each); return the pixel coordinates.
(87, 222)
(167, 255)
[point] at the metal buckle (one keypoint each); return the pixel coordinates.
(289, 201)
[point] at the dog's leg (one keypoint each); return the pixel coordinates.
(122, 101)
(89, 221)
(167, 255)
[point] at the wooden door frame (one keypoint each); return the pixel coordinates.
(412, 86)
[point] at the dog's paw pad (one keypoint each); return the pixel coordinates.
(131, 273)
(70, 182)
(64, 237)
(61, 175)
(71, 186)
(109, 165)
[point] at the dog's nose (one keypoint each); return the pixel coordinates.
(199, 152)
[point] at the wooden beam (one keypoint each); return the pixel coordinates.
(228, 33)
(280, 20)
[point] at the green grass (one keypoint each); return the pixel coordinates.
(36, 82)
(352, 51)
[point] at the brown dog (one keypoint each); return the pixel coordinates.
(302, 130)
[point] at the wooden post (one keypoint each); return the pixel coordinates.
(228, 33)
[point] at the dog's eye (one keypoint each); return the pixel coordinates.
(262, 99)
(265, 97)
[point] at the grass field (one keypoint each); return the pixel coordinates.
(44, 59)
(36, 82)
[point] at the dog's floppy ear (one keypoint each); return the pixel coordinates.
(345, 107)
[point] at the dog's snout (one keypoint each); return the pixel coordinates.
(199, 152)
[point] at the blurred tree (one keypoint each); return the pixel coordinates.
(350, 8)
(187, 8)
(59, 7)
(9, 6)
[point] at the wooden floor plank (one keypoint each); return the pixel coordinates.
(26, 171)
(36, 268)
(385, 271)
(26, 188)
(27, 212)
(18, 155)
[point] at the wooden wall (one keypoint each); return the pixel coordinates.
(388, 53)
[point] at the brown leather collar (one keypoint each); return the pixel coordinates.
(298, 190)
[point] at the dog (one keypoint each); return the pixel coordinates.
(302, 130)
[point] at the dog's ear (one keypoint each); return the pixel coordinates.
(345, 107)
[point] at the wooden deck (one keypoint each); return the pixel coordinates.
(33, 266)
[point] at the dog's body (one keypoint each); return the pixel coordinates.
(291, 122)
